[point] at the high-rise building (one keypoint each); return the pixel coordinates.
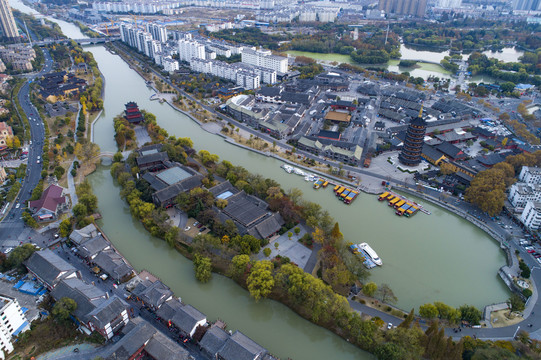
(527, 5)
(9, 28)
(264, 58)
(403, 7)
(413, 144)
(12, 323)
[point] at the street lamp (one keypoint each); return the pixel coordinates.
(515, 334)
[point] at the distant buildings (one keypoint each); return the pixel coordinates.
(265, 59)
(6, 134)
(527, 5)
(7, 22)
(59, 85)
(18, 55)
(403, 7)
(139, 7)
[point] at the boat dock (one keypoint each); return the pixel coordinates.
(402, 205)
(367, 261)
(345, 193)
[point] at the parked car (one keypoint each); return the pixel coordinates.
(531, 251)
(389, 326)
(187, 228)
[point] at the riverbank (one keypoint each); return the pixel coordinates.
(374, 182)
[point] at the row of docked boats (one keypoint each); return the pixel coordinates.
(345, 194)
(370, 257)
(403, 206)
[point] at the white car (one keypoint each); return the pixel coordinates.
(187, 228)
(389, 326)
(18, 206)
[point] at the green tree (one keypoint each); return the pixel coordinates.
(63, 308)
(260, 281)
(267, 252)
(238, 265)
(19, 255)
(515, 303)
(65, 228)
(428, 311)
(470, 314)
(203, 268)
(171, 236)
(369, 289)
(386, 294)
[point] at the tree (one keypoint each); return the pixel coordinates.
(428, 311)
(515, 303)
(289, 235)
(238, 265)
(19, 255)
(63, 308)
(470, 314)
(297, 230)
(171, 236)
(203, 268)
(267, 252)
(369, 289)
(260, 281)
(65, 228)
(386, 294)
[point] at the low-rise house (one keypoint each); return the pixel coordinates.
(50, 205)
(141, 340)
(241, 347)
(338, 117)
(187, 319)
(433, 156)
(249, 213)
(50, 268)
(153, 294)
(80, 236)
(213, 340)
(348, 153)
(95, 309)
(152, 162)
(111, 263)
(6, 135)
(171, 182)
(92, 247)
(451, 151)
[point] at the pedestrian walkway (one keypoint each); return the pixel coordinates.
(84, 350)
(71, 185)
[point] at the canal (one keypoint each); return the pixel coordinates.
(426, 258)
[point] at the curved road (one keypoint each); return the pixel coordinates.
(12, 225)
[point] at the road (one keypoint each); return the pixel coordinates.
(12, 225)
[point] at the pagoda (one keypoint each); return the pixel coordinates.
(414, 141)
(132, 113)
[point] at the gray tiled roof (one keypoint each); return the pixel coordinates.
(50, 267)
(154, 294)
(107, 311)
(213, 340)
(163, 348)
(113, 264)
(152, 158)
(172, 191)
(168, 310)
(86, 296)
(93, 246)
(137, 336)
(240, 347)
(187, 317)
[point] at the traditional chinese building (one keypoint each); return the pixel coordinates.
(414, 141)
(132, 113)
